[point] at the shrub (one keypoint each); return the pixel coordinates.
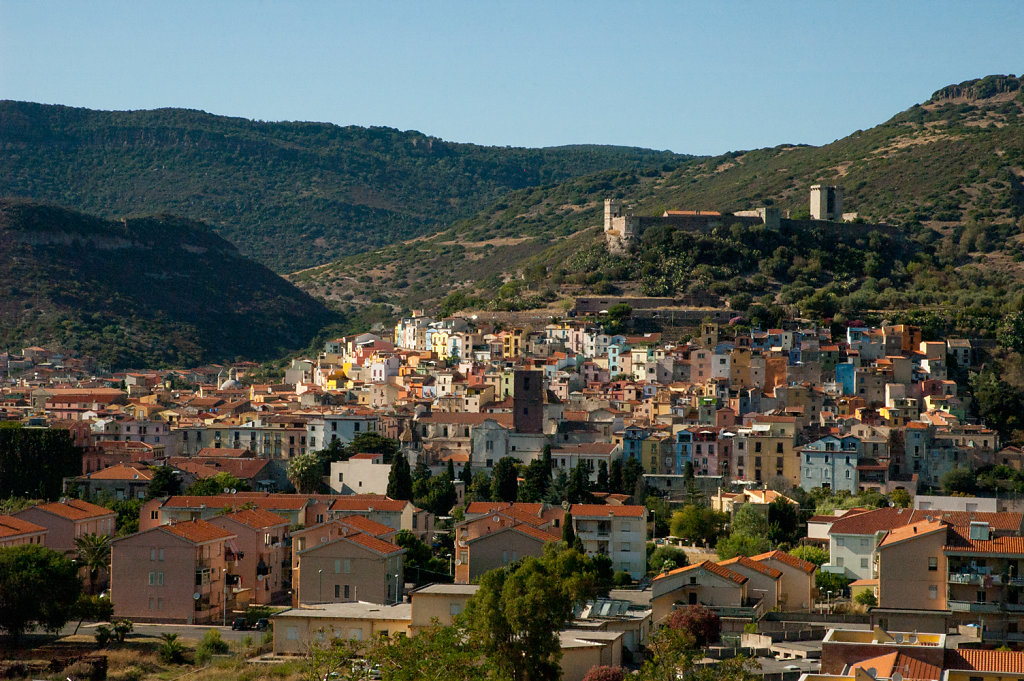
(699, 622)
(121, 629)
(103, 635)
(622, 578)
(604, 673)
(171, 650)
(211, 644)
(866, 598)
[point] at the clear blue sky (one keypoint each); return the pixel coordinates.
(691, 77)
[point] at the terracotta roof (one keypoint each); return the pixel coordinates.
(788, 559)
(1007, 661)
(913, 531)
(271, 502)
(883, 519)
(257, 518)
(480, 507)
(122, 472)
(197, 531)
(76, 509)
(752, 565)
(467, 418)
(365, 525)
(1003, 545)
(707, 565)
(12, 527)
(374, 544)
(367, 503)
(910, 667)
(603, 511)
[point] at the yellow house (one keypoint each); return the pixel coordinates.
(440, 602)
(296, 628)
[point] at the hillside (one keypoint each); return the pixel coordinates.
(947, 174)
(142, 292)
(289, 195)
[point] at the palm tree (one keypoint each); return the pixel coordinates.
(94, 555)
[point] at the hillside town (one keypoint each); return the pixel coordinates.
(516, 439)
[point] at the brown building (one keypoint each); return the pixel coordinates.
(345, 566)
(171, 573)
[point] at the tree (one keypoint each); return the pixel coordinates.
(958, 481)
(866, 598)
(578, 489)
(481, 489)
(216, 484)
(38, 586)
(750, 521)
(632, 471)
(35, 461)
(699, 622)
(615, 477)
(467, 475)
(505, 484)
(451, 470)
(602, 476)
(400, 479)
(436, 494)
(812, 554)
(697, 524)
(171, 650)
(1011, 332)
(568, 531)
(545, 456)
(437, 652)
(93, 553)
(783, 522)
(900, 498)
(536, 480)
(665, 558)
(741, 545)
(515, 615)
(373, 443)
(165, 483)
(831, 581)
(306, 472)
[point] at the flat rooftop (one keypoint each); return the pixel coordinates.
(357, 610)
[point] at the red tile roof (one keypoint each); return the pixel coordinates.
(751, 564)
(604, 511)
(367, 503)
(12, 527)
(271, 502)
(374, 544)
(365, 525)
(883, 519)
(1001, 545)
(1006, 661)
(911, 668)
(783, 557)
(707, 565)
(257, 518)
(122, 472)
(76, 509)
(197, 531)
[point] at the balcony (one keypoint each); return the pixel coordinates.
(964, 578)
(971, 606)
(1013, 607)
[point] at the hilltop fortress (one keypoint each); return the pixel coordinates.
(622, 229)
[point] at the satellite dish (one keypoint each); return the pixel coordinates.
(872, 672)
(259, 578)
(227, 490)
(896, 676)
(196, 595)
(898, 638)
(234, 491)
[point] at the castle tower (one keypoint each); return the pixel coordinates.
(826, 202)
(612, 210)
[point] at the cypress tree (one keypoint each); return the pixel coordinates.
(400, 479)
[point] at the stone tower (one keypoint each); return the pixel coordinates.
(826, 202)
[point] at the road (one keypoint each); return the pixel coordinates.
(193, 631)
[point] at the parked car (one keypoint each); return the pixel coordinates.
(262, 624)
(239, 624)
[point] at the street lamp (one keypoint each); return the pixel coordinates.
(320, 574)
(828, 602)
(224, 602)
(654, 529)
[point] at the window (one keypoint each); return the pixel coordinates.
(626, 548)
(292, 633)
(839, 561)
(346, 591)
(454, 609)
(337, 566)
(154, 515)
(159, 579)
(757, 446)
(160, 554)
(152, 578)
(778, 448)
(348, 566)
(863, 562)
(151, 601)
(152, 554)
(933, 563)
(337, 590)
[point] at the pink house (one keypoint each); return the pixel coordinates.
(68, 520)
(15, 532)
(258, 559)
(171, 573)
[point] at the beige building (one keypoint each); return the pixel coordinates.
(438, 602)
(347, 568)
(705, 583)
(298, 628)
(171, 573)
(796, 585)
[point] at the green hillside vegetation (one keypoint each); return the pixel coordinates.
(143, 292)
(289, 195)
(945, 174)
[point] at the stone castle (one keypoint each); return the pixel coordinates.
(622, 229)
